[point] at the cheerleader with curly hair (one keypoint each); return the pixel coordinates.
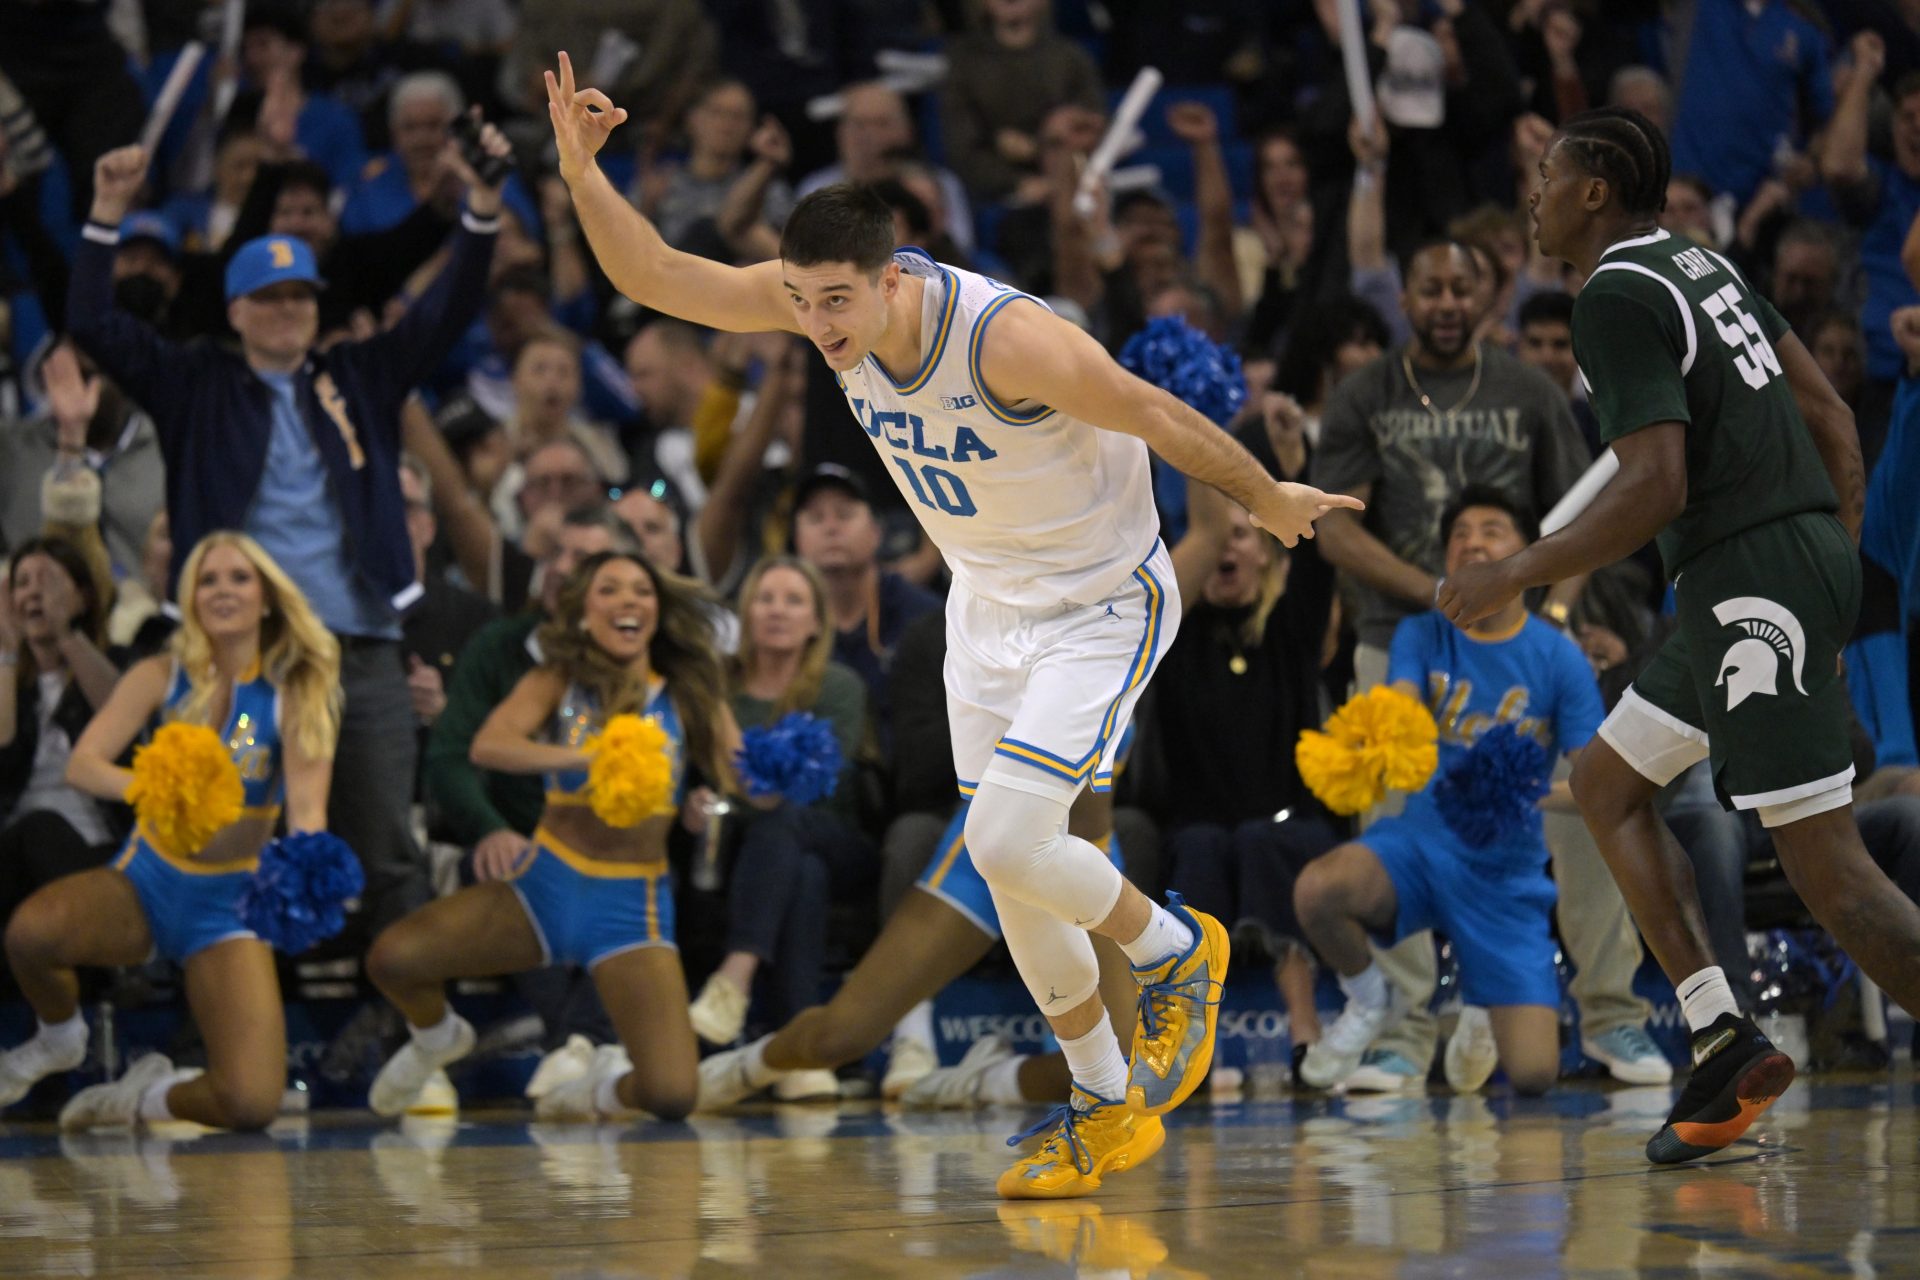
(253, 664)
(593, 889)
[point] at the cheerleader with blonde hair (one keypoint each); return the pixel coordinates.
(630, 691)
(250, 700)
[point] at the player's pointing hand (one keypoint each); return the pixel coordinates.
(1289, 510)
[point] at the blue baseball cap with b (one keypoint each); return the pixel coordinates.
(268, 261)
(147, 225)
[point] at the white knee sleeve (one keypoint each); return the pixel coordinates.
(1055, 960)
(1020, 847)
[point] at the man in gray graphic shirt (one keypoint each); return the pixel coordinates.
(1408, 432)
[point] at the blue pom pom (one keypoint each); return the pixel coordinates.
(1184, 362)
(297, 896)
(797, 757)
(1491, 791)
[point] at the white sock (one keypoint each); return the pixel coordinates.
(1164, 937)
(438, 1038)
(606, 1097)
(64, 1035)
(153, 1103)
(758, 1071)
(1705, 996)
(1001, 1083)
(1367, 987)
(1097, 1064)
(917, 1025)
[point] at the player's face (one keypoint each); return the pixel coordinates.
(621, 610)
(1481, 535)
(229, 598)
(841, 309)
(1442, 300)
(781, 615)
(1555, 206)
(836, 531)
(1236, 577)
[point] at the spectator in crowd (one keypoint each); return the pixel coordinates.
(206, 219)
(547, 409)
(650, 56)
(1805, 275)
(1290, 232)
(522, 303)
(482, 29)
(71, 73)
(1689, 210)
(324, 130)
(301, 449)
(1003, 81)
(794, 860)
(680, 197)
(668, 364)
(1840, 349)
(873, 137)
(1346, 335)
(447, 616)
(420, 167)
(1757, 76)
(54, 675)
(1546, 343)
(354, 63)
(1642, 89)
(87, 427)
(835, 530)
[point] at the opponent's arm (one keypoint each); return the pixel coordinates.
(1030, 354)
(505, 741)
(631, 252)
(1831, 423)
(1647, 495)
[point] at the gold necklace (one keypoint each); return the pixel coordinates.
(1426, 401)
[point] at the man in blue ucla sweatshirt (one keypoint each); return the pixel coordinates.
(300, 448)
(1412, 872)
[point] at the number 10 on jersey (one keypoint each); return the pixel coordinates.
(937, 488)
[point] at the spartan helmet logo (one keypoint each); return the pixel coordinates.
(1752, 665)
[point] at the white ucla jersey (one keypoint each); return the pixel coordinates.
(1030, 507)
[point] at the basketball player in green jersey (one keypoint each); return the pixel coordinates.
(1738, 455)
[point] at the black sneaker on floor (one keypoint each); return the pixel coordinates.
(1737, 1073)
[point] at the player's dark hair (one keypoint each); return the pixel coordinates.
(1486, 495)
(1547, 308)
(1626, 149)
(846, 222)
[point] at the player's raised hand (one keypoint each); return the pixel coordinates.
(117, 178)
(582, 119)
(1289, 510)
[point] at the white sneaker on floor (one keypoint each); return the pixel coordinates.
(1384, 1071)
(725, 1079)
(910, 1061)
(719, 1012)
(437, 1098)
(407, 1072)
(1629, 1055)
(26, 1065)
(575, 1102)
(957, 1087)
(569, 1062)
(817, 1085)
(1335, 1055)
(117, 1103)
(1471, 1052)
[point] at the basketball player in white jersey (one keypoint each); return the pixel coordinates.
(1022, 447)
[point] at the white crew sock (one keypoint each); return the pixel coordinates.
(1164, 937)
(606, 1097)
(1704, 997)
(64, 1035)
(1097, 1064)
(917, 1025)
(153, 1103)
(1001, 1083)
(438, 1038)
(758, 1071)
(1367, 987)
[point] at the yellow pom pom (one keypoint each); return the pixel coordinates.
(1335, 773)
(631, 777)
(185, 789)
(1380, 739)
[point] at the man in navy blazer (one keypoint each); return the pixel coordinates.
(300, 448)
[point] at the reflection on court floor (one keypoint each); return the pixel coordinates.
(1411, 1186)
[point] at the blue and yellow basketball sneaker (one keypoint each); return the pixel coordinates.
(1090, 1138)
(1179, 1008)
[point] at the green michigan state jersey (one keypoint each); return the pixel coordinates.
(1667, 331)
